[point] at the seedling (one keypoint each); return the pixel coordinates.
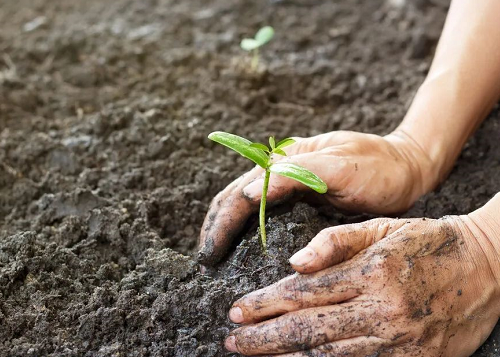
(263, 156)
(263, 36)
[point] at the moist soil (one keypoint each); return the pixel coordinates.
(106, 172)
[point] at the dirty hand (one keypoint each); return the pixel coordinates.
(364, 173)
(425, 288)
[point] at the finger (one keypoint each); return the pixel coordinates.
(280, 186)
(226, 216)
(296, 292)
(369, 346)
(332, 165)
(305, 329)
(322, 141)
(337, 244)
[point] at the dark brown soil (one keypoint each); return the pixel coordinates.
(106, 172)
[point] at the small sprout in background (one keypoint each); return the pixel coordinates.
(263, 36)
(262, 156)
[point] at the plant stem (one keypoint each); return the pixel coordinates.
(255, 59)
(262, 214)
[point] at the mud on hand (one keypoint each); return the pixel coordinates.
(414, 287)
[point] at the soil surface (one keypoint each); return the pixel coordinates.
(106, 172)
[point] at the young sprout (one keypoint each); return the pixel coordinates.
(263, 36)
(262, 156)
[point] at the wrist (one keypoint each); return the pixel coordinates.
(428, 123)
(484, 223)
(443, 115)
(424, 170)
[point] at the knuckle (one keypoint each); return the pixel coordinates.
(300, 326)
(380, 228)
(382, 221)
(357, 146)
(340, 242)
(339, 152)
(335, 236)
(287, 290)
(296, 329)
(246, 338)
(292, 289)
(328, 236)
(303, 145)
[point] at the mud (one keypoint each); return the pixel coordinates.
(106, 172)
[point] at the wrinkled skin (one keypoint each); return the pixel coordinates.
(424, 288)
(364, 173)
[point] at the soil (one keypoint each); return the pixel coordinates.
(106, 172)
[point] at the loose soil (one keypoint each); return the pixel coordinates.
(106, 172)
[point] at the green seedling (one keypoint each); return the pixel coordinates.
(263, 36)
(263, 156)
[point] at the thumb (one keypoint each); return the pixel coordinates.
(281, 187)
(337, 244)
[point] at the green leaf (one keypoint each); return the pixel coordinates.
(249, 44)
(264, 35)
(300, 174)
(260, 146)
(285, 142)
(279, 152)
(242, 146)
(272, 143)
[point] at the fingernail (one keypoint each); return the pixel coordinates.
(302, 257)
(254, 189)
(236, 315)
(230, 344)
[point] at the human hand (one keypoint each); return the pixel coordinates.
(364, 173)
(424, 288)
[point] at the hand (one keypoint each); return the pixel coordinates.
(424, 288)
(363, 172)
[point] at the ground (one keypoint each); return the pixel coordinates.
(106, 172)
